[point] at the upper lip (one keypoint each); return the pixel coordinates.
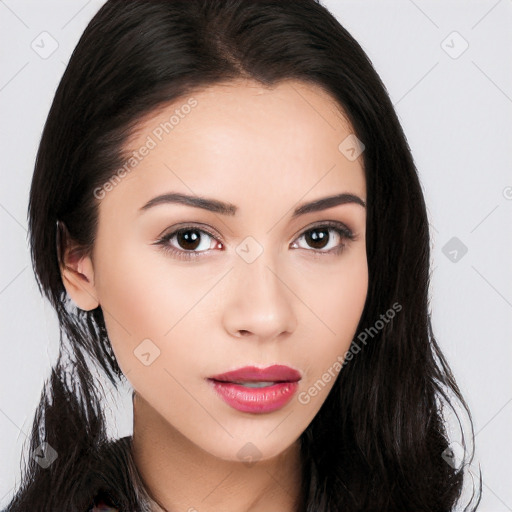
(275, 373)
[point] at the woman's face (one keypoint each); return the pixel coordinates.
(248, 282)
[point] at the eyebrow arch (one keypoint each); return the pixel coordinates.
(223, 208)
(327, 202)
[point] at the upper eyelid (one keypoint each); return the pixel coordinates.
(337, 226)
(198, 226)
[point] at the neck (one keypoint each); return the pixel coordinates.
(180, 475)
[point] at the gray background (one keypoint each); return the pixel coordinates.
(455, 105)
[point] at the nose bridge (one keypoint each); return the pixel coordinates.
(260, 301)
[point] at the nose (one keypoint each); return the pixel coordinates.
(260, 302)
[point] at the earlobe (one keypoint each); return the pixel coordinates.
(77, 272)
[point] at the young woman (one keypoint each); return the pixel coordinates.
(225, 213)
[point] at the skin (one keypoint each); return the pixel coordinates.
(266, 151)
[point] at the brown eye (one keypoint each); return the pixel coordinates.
(188, 242)
(320, 237)
(317, 238)
(188, 239)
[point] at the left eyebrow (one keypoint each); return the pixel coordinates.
(223, 208)
(327, 202)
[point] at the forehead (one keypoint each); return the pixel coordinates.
(241, 137)
(247, 102)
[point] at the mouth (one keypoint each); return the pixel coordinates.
(255, 390)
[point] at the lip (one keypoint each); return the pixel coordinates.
(257, 400)
(275, 373)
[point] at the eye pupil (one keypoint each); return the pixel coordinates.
(188, 239)
(313, 238)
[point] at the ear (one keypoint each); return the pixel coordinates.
(76, 270)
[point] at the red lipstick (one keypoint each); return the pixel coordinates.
(257, 390)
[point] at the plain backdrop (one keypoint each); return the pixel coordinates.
(447, 67)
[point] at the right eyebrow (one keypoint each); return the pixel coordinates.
(205, 203)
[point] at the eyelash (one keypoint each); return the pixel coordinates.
(343, 232)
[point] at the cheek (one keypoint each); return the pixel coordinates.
(145, 297)
(136, 300)
(339, 299)
(345, 297)
(337, 304)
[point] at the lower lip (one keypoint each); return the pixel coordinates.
(255, 400)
